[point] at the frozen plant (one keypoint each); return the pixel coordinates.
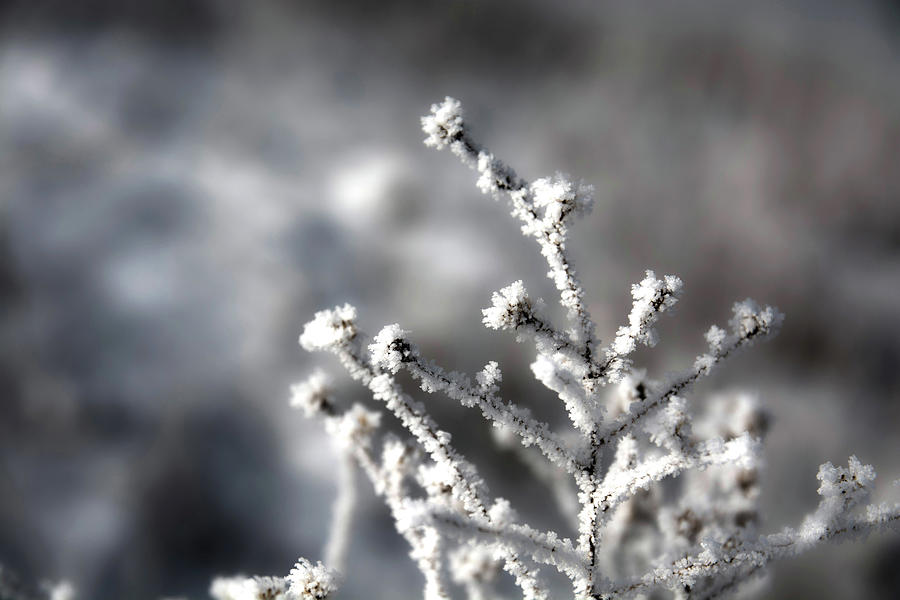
(698, 538)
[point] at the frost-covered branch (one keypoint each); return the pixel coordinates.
(560, 366)
(545, 207)
(335, 331)
(620, 485)
(392, 350)
(513, 309)
(306, 581)
(696, 536)
(750, 322)
(719, 563)
(354, 429)
(842, 490)
(652, 297)
(542, 547)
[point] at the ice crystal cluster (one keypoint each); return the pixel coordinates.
(695, 538)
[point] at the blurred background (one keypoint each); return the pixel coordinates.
(183, 184)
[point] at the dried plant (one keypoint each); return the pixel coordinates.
(697, 540)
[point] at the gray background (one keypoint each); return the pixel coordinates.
(182, 185)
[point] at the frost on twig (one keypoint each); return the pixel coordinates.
(545, 207)
(652, 296)
(306, 581)
(697, 540)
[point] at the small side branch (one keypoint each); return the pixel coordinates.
(772, 547)
(561, 366)
(618, 485)
(392, 350)
(842, 490)
(512, 309)
(749, 323)
(335, 331)
(543, 547)
(652, 297)
(545, 207)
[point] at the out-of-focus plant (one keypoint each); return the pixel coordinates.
(13, 588)
(696, 538)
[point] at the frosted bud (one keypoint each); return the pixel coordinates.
(626, 454)
(743, 451)
(712, 549)
(412, 514)
(511, 307)
(490, 174)
(651, 296)
(673, 284)
(390, 349)
(437, 479)
(313, 394)
(502, 513)
(311, 581)
(715, 337)
(704, 363)
(474, 564)
(670, 427)
(560, 198)
(382, 387)
(851, 483)
(489, 377)
(444, 124)
(750, 320)
(354, 426)
(396, 456)
(329, 328)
